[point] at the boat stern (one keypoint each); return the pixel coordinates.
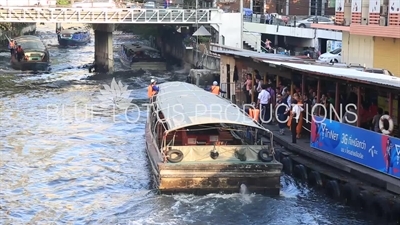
(204, 178)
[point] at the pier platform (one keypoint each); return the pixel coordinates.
(302, 147)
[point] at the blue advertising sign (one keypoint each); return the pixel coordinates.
(377, 151)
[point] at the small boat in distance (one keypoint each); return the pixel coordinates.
(140, 57)
(36, 56)
(73, 36)
(200, 143)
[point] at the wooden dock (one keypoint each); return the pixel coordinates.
(302, 147)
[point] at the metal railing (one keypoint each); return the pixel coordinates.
(109, 15)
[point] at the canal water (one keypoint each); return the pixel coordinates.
(64, 160)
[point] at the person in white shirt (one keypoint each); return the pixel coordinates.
(296, 112)
(264, 103)
(267, 17)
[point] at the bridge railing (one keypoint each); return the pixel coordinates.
(108, 15)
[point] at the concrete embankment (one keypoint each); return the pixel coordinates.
(172, 44)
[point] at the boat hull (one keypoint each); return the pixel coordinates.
(141, 65)
(70, 42)
(212, 177)
(30, 66)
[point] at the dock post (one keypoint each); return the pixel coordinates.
(390, 104)
(277, 81)
(291, 87)
(58, 28)
(337, 102)
(358, 106)
(252, 86)
(318, 90)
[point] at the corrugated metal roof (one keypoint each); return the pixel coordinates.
(184, 104)
(258, 55)
(343, 73)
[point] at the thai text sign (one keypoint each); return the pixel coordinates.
(370, 149)
(374, 6)
(356, 6)
(394, 6)
(340, 6)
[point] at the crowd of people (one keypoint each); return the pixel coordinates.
(295, 110)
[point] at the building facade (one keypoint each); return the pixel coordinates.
(371, 33)
(282, 7)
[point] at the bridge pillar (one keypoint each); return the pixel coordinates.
(103, 47)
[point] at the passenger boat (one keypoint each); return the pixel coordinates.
(37, 57)
(73, 36)
(200, 143)
(140, 57)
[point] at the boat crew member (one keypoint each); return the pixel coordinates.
(152, 89)
(11, 46)
(215, 89)
(20, 53)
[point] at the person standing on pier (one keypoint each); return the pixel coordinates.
(296, 113)
(264, 103)
(281, 111)
(247, 88)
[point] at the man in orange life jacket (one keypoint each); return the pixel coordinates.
(215, 89)
(152, 89)
(20, 53)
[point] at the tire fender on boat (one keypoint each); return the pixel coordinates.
(278, 154)
(350, 193)
(332, 189)
(380, 208)
(178, 156)
(287, 165)
(396, 212)
(214, 155)
(315, 179)
(300, 171)
(364, 200)
(265, 156)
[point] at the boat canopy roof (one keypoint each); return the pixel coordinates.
(183, 105)
(137, 48)
(30, 42)
(72, 30)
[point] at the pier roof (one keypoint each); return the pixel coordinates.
(342, 73)
(257, 55)
(183, 105)
(346, 74)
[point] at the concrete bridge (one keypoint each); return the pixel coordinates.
(103, 20)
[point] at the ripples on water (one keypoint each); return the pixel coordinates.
(67, 166)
